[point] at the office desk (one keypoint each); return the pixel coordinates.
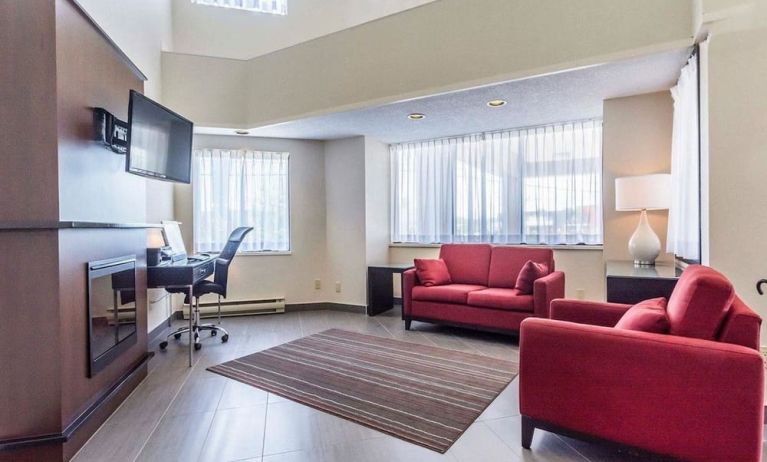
(182, 274)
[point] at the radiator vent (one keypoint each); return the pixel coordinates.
(240, 307)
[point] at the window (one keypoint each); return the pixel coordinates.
(262, 6)
(241, 188)
(540, 185)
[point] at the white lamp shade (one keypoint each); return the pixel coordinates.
(644, 192)
(154, 239)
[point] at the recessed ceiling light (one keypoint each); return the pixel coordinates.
(496, 103)
(242, 132)
(416, 116)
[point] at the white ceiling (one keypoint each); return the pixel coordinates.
(239, 34)
(572, 95)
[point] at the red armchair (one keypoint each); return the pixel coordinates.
(693, 394)
(482, 293)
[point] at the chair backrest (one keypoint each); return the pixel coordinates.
(467, 263)
(699, 303)
(507, 261)
(741, 326)
(227, 255)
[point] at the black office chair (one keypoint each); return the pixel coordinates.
(216, 286)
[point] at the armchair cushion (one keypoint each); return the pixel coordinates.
(647, 316)
(501, 299)
(588, 312)
(699, 302)
(451, 293)
(530, 272)
(467, 263)
(432, 272)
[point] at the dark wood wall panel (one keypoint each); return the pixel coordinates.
(30, 392)
(28, 160)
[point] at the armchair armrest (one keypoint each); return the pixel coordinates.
(586, 312)
(409, 280)
(689, 398)
(547, 289)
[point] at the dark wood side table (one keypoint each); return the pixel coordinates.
(631, 284)
(380, 285)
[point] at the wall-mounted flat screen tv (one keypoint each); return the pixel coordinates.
(159, 141)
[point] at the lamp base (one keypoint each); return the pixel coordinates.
(644, 244)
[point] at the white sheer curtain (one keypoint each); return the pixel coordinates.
(241, 188)
(683, 237)
(541, 185)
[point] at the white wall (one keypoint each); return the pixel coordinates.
(290, 276)
(345, 220)
(230, 33)
(440, 46)
(377, 196)
(142, 29)
(636, 141)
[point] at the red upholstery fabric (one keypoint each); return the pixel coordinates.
(530, 272)
(646, 316)
(547, 289)
(501, 299)
(586, 312)
(688, 398)
(451, 293)
(699, 302)
(507, 261)
(432, 272)
(741, 326)
(409, 281)
(466, 315)
(467, 263)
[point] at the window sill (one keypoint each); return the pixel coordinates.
(532, 246)
(265, 253)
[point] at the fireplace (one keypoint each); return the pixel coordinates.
(111, 310)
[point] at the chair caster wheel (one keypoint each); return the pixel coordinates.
(213, 333)
(197, 346)
(163, 345)
(224, 338)
(177, 336)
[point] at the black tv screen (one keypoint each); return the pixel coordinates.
(159, 141)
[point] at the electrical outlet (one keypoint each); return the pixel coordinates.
(763, 351)
(338, 286)
(580, 294)
(317, 284)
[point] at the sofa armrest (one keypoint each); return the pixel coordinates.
(587, 312)
(409, 280)
(547, 289)
(689, 398)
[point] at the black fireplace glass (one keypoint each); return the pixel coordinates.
(111, 309)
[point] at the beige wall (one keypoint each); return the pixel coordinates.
(268, 276)
(737, 99)
(636, 141)
(377, 195)
(440, 46)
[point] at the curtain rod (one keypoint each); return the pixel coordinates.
(501, 130)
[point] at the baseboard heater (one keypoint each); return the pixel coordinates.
(240, 307)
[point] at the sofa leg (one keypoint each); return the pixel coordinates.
(407, 324)
(528, 428)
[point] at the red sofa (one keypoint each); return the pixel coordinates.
(693, 394)
(482, 293)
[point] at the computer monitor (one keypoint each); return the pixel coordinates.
(172, 233)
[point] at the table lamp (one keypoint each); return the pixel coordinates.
(643, 193)
(154, 244)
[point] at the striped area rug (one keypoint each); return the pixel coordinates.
(422, 394)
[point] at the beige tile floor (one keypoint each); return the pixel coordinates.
(189, 414)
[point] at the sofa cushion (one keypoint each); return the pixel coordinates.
(501, 299)
(528, 274)
(699, 302)
(647, 316)
(507, 261)
(467, 263)
(451, 293)
(432, 272)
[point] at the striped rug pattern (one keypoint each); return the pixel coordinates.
(422, 394)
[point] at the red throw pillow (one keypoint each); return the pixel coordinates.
(432, 272)
(528, 274)
(647, 316)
